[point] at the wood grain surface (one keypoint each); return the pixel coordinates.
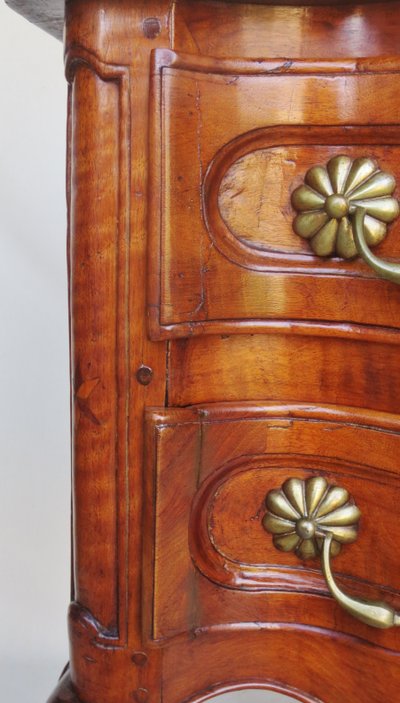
(49, 14)
(213, 355)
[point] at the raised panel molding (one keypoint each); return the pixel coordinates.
(206, 275)
(212, 528)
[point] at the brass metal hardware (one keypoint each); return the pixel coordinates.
(385, 269)
(329, 198)
(374, 613)
(302, 513)
(312, 517)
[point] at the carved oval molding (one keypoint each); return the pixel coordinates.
(248, 186)
(226, 537)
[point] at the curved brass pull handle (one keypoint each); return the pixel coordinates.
(312, 517)
(374, 613)
(385, 269)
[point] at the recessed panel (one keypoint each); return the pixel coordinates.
(253, 193)
(213, 563)
(230, 142)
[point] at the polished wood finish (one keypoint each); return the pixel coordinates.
(222, 489)
(213, 355)
(245, 30)
(248, 367)
(49, 14)
(195, 150)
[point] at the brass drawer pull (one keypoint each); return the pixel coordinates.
(385, 269)
(313, 517)
(344, 208)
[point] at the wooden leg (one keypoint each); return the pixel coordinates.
(64, 692)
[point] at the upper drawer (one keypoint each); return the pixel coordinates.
(230, 142)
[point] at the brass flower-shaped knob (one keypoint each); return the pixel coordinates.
(330, 195)
(302, 513)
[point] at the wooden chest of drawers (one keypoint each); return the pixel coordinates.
(218, 356)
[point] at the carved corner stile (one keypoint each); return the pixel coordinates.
(98, 269)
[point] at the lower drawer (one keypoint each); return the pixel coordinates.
(208, 560)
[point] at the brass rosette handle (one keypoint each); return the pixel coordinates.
(312, 517)
(344, 208)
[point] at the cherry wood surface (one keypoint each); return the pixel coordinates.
(213, 355)
(222, 488)
(193, 152)
(290, 366)
(49, 14)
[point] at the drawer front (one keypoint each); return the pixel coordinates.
(230, 142)
(208, 473)
(357, 371)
